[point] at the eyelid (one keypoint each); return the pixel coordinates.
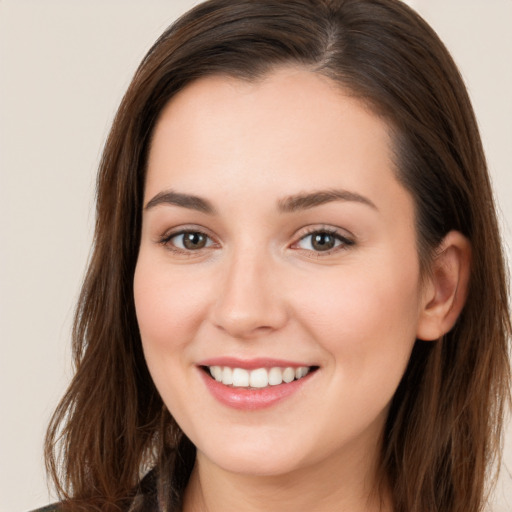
(346, 238)
(166, 238)
(342, 235)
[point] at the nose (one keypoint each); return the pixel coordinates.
(250, 301)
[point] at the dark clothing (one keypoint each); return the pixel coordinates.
(154, 494)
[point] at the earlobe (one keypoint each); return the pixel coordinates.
(446, 288)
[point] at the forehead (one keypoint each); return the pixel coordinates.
(292, 129)
(288, 94)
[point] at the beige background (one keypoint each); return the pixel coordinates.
(63, 68)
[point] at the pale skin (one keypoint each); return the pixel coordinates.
(253, 172)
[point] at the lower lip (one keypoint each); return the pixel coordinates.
(252, 399)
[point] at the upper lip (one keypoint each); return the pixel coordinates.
(252, 364)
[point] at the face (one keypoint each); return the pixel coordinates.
(277, 287)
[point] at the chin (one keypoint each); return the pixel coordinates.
(257, 459)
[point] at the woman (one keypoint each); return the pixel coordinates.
(297, 296)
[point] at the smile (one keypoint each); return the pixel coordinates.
(255, 384)
(258, 378)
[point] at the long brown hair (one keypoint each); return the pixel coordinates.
(445, 423)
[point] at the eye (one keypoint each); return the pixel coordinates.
(323, 240)
(187, 241)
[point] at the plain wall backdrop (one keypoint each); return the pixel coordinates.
(64, 66)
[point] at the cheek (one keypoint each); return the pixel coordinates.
(168, 308)
(368, 313)
(168, 305)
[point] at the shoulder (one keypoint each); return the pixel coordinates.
(145, 499)
(49, 508)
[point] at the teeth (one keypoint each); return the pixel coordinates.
(275, 376)
(288, 375)
(227, 376)
(260, 378)
(217, 373)
(240, 378)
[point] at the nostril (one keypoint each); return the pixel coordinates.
(248, 304)
(241, 328)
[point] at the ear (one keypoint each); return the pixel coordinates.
(446, 288)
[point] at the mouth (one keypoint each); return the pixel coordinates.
(255, 384)
(258, 378)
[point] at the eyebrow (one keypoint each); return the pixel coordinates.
(305, 201)
(289, 204)
(184, 200)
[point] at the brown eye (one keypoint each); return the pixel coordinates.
(194, 240)
(188, 241)
(322, 241)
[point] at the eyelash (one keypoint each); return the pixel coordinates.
(166, 239)
(344, 242)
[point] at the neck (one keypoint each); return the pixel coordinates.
(329, 485)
